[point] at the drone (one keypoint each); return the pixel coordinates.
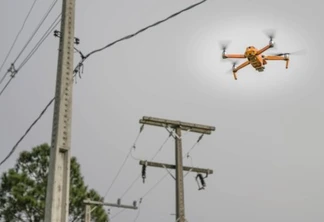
(255, 56)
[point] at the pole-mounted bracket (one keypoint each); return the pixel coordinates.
(58, 35)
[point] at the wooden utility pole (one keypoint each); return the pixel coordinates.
(57, 197)
(87, 213)
(89, 202)
(178, 127)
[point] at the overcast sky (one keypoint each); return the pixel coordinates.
(266, 152)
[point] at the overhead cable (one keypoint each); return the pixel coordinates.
(83, 58)
(16, 38)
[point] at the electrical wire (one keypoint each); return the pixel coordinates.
(159, 181)
(36, 47)
(145, 194)
(14, 72)
(83, 58)
(118, 213)
(40, 42)
(33, 124)
(195, 144)
(36, 30)
(16, 38)
(80, 65)
(163, 144)
(123, 164)
(7, 84)
(138, 213)
(27, 131)
(157, 152)
(139, 176)
(144, 29)
(156, 184)
(165, 175)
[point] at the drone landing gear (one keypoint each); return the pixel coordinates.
(279, 58)
(234, 74)
(235, 69)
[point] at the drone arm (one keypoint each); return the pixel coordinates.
(281, 58)
(264, 49)
(240, 67)
(233, 56)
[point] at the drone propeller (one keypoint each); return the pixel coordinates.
(299, 52)
(224, 44)
(234, 63)
(271, 33)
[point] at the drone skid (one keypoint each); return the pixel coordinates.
(278, 58)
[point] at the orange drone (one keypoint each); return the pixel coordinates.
(254, 56)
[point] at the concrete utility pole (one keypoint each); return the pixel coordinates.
(57, 197)
(88, 202)
(177, 126)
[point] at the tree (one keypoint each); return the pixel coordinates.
(23, 189)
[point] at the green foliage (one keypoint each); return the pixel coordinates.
(23, 189)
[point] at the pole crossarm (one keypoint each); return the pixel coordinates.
(197, 128)
(170, 166)
(90, 202)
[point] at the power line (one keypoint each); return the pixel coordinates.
(27, 131)
(147, 193)
(156, 184)
(83, 58)
(43, 38)
(160, 180)
(37, 28)
(123, 164)
(13, 70)
(139, 176)
(144, 29)
(138, 211)
(133, 183)
(16, 38)
(7, 84)
(31, 126)
(154, 156)
(79, 67)
(121, 211)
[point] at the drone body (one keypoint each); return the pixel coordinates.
(255, 57)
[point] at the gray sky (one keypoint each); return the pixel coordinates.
(266, 152)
